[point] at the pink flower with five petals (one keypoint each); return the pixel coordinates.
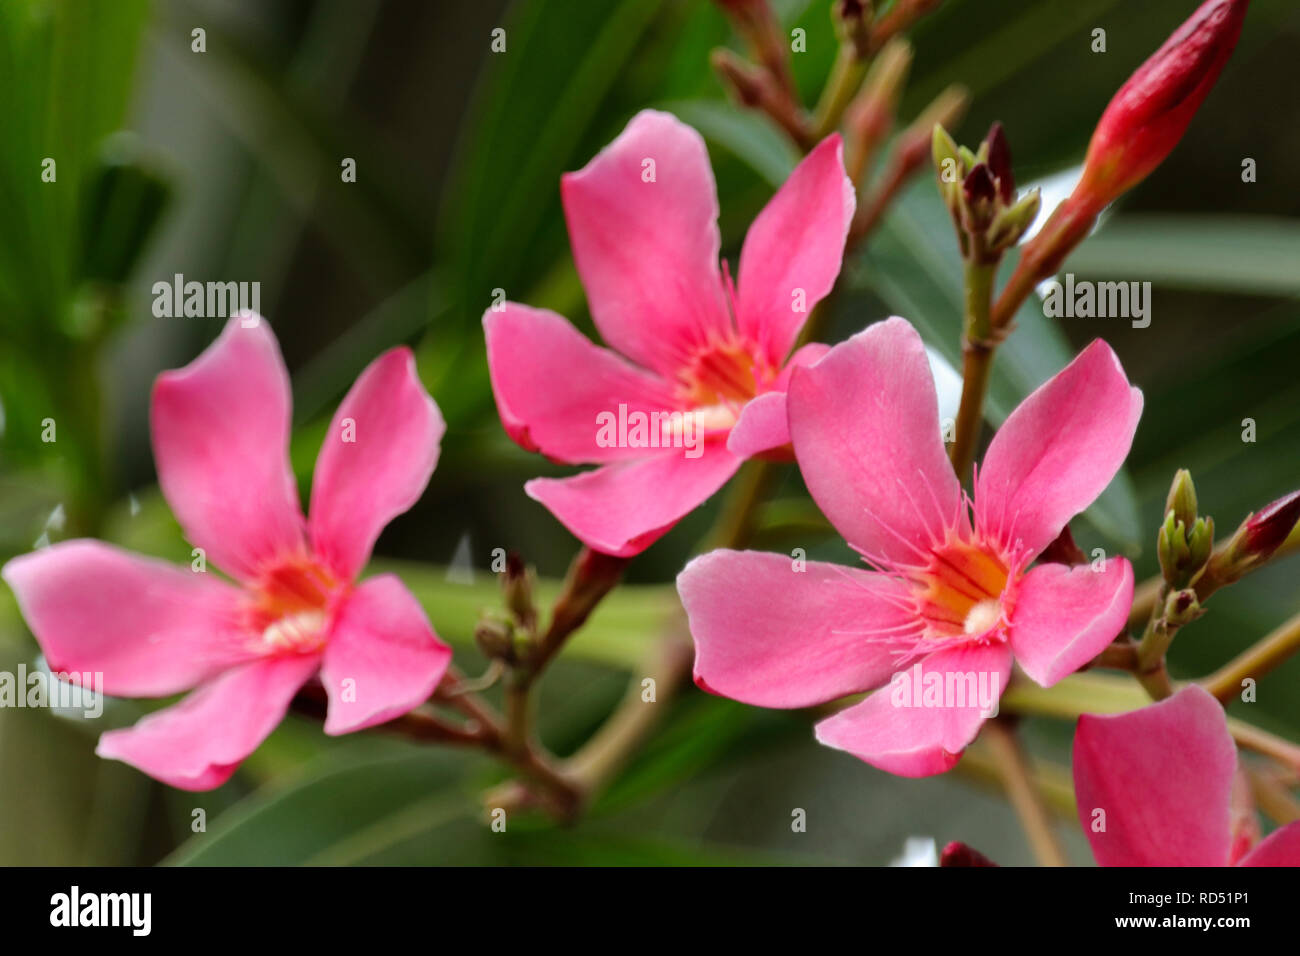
(642, 219)
(152, 629)
(1166, 782)
(953, 598)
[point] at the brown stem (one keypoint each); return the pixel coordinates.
(1255, 662)
(1018, 778)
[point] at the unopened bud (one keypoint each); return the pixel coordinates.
(998, 151)
(517, 586)
(496, 639)
(1182, 498)
(1181, 608)
(1148, 116)
(957, 853)
(1265, 530)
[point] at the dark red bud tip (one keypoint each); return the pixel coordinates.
(515, 566)
(1148, 116)
(979, 184)
(1000, 162)
(957, 853)
(1267, 528)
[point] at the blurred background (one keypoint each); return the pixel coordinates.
(225, 165)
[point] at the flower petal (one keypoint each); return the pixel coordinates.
(894, 729)
(149, 627)
(1058, 451)
(793, 250)
(865, 425)
(1162, 777)
(646, 246)
(382, 642)
(772, 633)
(762, 426)
(622, 509)
(1064, 617)
(1279, 848)
(375, 461)
(552, 385)
(198, 743)
(221, 446)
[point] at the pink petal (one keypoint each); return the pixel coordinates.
(764, 424)
(198, 743)
(149, 627)
(1279, 848)
(918, 741)
(1058, 451)
(647, 252)
(805, 355)
(865, 425)
(221, 446)
(1064, 617)
(381, 642)
(375, 461)
(770, 635)
(552, 385)
(622, 509)
(1163, 777)
(795, 247)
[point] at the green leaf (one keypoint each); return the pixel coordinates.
(1254, 254)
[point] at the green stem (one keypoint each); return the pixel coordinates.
(846, 76)
(978, 345)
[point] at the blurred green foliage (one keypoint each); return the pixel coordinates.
(225, 164)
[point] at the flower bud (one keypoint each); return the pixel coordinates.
(957, 853)
(999, 160)
(517, 585)
(496, 639)
(1185, 541)
(1182, 498)
(1148, 116)
(1265, 530)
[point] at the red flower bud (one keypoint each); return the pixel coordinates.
(1000, 162)
(1148, 116)
(1267, 528)
(957, 853)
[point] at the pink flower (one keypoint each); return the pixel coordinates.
(1160, 786)
(642, 220)
(953, 598)
(220, 438)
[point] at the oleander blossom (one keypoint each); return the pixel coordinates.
(296, 612)
(952, 597)
(684, 340)
(1161, 786)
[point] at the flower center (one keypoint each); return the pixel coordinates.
(960, 592)
(722, 375)
(289, 605)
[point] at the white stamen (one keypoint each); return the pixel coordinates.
(300, 631)
(983, 616)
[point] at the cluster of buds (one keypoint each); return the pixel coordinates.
(1185, 540)
(980, 192)
(508, 637)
